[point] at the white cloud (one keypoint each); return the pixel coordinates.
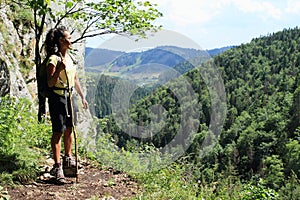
(193, 12)
(293, 6)
(264, 8)
(187, 12)
(190, 11)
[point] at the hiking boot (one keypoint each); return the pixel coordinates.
(58, 173)
(69, 166)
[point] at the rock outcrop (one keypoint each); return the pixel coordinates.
(12, 80)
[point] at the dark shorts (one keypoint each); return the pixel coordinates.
(60, 118)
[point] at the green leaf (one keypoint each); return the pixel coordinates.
(69, 4)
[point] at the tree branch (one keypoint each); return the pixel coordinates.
(82, 37)
(89, 25)
(68, 13)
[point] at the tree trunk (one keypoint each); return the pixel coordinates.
(41, 99)
(38, 33)
(42, 108)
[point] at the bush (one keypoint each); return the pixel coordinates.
(22, 139)
(253, 191)
(171, 182)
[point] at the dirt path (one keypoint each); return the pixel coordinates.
(94, 183)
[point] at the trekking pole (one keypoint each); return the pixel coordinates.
(75, 139)
(73, 126)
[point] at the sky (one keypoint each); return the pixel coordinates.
(211, 24)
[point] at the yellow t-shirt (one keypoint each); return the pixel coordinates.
(62, 80)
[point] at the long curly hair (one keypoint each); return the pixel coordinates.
(51, 41)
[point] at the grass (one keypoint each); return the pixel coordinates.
(23, 141)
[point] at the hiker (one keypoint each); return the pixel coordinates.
(60, 64)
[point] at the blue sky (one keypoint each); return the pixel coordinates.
(218, 23)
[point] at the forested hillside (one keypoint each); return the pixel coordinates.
(145, 68)
(261, 134)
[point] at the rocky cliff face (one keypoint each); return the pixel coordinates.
(4, 79)
(11, 53)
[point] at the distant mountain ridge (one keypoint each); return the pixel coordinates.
(96, 59)
(92, 56)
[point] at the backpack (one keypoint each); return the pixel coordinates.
(43, 88)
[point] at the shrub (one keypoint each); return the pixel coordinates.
(22, 139)
(253, 191)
